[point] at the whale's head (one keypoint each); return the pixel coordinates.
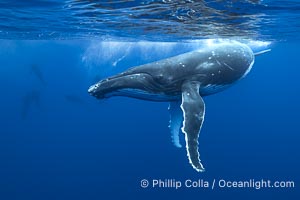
(136, 85)
(140, 86)
(104, 89)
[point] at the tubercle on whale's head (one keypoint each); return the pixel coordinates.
(94, 90)
(105, 88)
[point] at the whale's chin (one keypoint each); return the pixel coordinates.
(143, 95)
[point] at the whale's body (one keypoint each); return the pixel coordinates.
(183, 80)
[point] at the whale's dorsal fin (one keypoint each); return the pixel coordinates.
(193, 108)
(176, 119)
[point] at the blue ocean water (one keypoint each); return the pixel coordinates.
(58, 142)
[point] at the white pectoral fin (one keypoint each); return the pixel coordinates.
(193, 108)
(176, 119)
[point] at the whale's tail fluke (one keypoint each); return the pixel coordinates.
(262, 52)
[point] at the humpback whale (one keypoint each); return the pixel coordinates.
(183, 80)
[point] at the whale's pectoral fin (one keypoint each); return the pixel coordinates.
(175, 122)
(193, 108)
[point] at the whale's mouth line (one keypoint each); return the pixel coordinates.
(142, 94)
(179, 79)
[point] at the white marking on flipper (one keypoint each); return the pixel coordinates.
(176, 119)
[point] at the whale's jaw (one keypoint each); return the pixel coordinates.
(143, 95)
(136, 85)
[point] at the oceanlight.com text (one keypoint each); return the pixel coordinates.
(212, 184)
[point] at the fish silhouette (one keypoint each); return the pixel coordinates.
(38, 73)
(30, 100)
